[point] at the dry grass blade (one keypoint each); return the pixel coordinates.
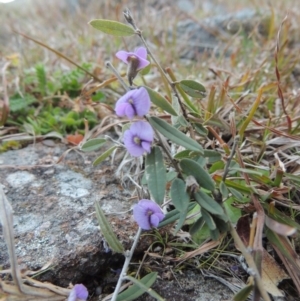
(203, 249)
(59, 54)
(6, 219)
(280, 94)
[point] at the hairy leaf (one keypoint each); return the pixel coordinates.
(160, 101)
(112, 27)
(175, 135)
(107, 231)
(155, 173)
(192, 168)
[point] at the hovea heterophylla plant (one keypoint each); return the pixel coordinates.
(175, 144)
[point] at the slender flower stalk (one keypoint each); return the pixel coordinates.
(128, 256)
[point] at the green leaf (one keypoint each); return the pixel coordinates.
(155, 173)
(173, 215)
(181, 221)
(244, 293)
(223, 190)
(181, 200)
(233, 213)
(104, 156)
(197, 225)
(93, 144)
(200, 129)
(187, 154)
(202, 234)
(208, 219)
(160, 101)
(180, 197)
(112, 27)
(209, 204)
(235, 193)
(193, 88)
(192, 168)
(107, 231)
(175, 135)
(214, 234)
(17, 103)
(136, 290)
(213, 156)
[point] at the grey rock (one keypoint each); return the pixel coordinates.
(212, 33)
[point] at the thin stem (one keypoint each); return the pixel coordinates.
(109, 65)
(128, 255)
(130, 20)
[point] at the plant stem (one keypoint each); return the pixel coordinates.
(128, 255)
(109, 65)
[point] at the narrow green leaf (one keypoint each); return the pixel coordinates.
(155, 173)
(197, 225)
(104, 156)
(181, 221)
(181, 200)
(244, 293)
(208, 219)
(223, 190)
(107, 231)
(208, 203)
(214, 234)
(193, 88)
(192, 168)
(235, 193)
(171, 175)
(219, 165)
(173, 215)
(212, 156)
(200, 129)
(112, 27)
(160, 101)
(175, 135)
(187, 154)
(180, 197)
(202, 235)
(93, 144)
(233, 213)
(136, 290)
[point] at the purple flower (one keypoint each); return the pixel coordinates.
(138, 138)
(134, 102)
(136, 61)
(147, 214)
(78, 292)
(139, 56)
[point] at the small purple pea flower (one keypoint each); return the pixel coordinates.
(138, 138)
(78, 292)
(136, 61)
(134, 103)
(147, 214)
